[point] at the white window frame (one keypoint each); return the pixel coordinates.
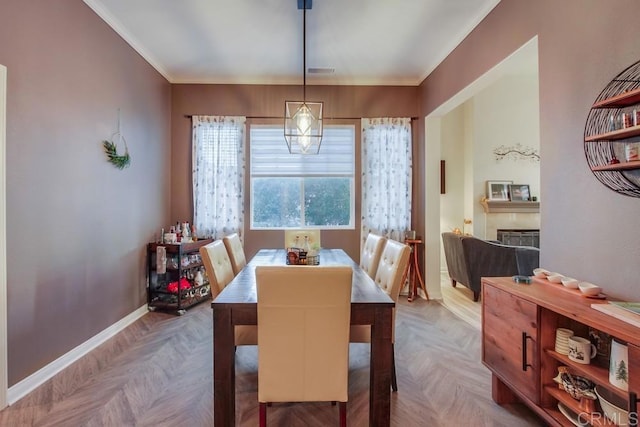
(326, 144)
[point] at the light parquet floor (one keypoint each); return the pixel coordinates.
(459, 301)
(158, 372)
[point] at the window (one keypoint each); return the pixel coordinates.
(289, 191)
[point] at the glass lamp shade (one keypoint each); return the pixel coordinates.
(303, 126)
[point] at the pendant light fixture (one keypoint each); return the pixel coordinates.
(303, 119)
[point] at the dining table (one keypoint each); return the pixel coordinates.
(237, 305)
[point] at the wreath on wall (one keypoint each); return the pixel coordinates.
(111, 149)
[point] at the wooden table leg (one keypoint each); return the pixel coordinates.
(380, 371)
(224, 375)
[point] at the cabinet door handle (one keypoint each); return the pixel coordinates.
(633, 409)
(525, 364)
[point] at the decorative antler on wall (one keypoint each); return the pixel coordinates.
(516, 152)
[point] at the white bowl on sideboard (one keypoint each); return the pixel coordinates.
(540, 272)
(570, 282)
(555, 277)
(589, 288)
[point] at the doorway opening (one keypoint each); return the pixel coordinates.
(500, 108)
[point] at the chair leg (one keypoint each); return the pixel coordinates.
(343, 414)
(263, 414)
(394, 381)
(476, 296)
(453, 283)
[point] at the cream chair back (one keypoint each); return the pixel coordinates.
(390, 276)
(297, 235)
(236, 252)
(218, 266)
(303, 333)
(392, 268)
(371, 252)
(220, 272)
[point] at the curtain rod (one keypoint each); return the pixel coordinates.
(188, 116)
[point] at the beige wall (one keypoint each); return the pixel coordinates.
(76, 226)
(588, 231)
(268, 101)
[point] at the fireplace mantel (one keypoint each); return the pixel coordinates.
(499, 206)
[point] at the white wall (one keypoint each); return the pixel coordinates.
(469, 167)
(505, 114)
(452, 152)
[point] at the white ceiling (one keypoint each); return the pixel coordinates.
(367, 42)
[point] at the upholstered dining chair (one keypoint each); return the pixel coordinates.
(371, 252)
(298, 234)
(220, 273)
(390, 276)
(236, 252)
(303, 335)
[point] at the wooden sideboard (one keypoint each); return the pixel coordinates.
(518, 340)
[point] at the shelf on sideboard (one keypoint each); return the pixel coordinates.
(596, 419)
(597, 374)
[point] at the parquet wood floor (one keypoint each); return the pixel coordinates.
(459, 301)
(158, 372)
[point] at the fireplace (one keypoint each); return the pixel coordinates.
(525, 222)
(519, 237)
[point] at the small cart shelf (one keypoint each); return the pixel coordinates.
(174, 288)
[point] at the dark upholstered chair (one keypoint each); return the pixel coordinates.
(470, 258)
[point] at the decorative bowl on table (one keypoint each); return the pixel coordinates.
(612, 406)
(589, 289)
(570, 282)
(555, 277)
(540, 273)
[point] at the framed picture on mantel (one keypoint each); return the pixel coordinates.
(498, 190)
(519, 193)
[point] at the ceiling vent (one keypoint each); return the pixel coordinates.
(321, 70)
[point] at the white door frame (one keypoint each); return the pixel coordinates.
(3, 239)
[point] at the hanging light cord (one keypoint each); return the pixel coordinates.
(304, 53)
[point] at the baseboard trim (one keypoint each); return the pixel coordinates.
(27, 385)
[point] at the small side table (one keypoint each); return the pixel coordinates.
(413, 272)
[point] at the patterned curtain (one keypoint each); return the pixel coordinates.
(386, 177)
(218, 175)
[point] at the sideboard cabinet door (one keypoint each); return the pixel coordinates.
(510, 341)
